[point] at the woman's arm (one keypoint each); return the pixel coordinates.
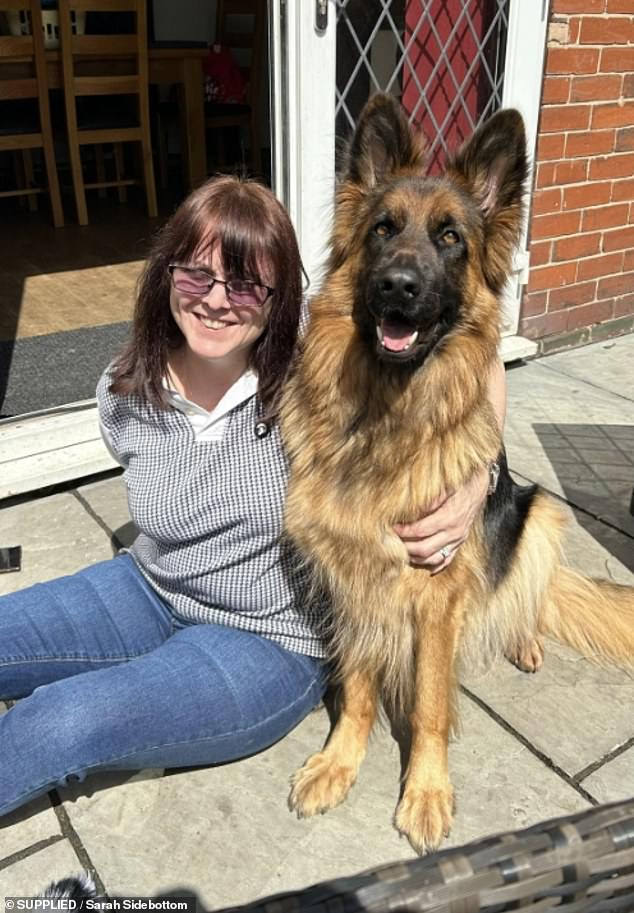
(447, 524)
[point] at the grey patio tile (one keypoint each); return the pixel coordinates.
(57, 536)
(613, 782)
(572, 711)
(109, 501)
(226, 832)
(26, 826)
(574, 439)
(609, 365)
(499, 786)
(30, 875)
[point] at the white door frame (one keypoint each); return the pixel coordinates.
(303, 94)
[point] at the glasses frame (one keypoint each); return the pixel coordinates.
(214, 280)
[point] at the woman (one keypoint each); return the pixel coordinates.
(202, 644)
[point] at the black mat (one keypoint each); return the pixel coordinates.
(45, 371)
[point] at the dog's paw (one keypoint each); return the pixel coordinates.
(320, 784)
(425, 816)
(528, 656)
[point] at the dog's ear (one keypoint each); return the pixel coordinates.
(382, 143)
(493, 166)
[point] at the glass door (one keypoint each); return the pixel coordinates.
(451, 63)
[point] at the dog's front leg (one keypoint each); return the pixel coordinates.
(425, 811)
(325, 780)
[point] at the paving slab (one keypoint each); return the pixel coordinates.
(29, 875)
(108, 499)
(572, 711)
(27, 826)
(614, 781)
(574, 439)
(609, 365)
(57, 536)
(226, 832)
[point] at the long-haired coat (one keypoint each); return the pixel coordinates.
(387, 410)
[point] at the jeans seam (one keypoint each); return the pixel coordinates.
(74, 658)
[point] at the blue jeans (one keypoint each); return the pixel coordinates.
(116, 680)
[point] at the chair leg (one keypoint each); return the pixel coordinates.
(162, 141)
(78, 182)
(53, 182)
(100, 165)
(27, 162)
(120, 171)
(148, 179)
(18, 175)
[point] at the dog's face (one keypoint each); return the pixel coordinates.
(424, 248)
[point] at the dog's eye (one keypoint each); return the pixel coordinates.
(449, 237)
(384, 229)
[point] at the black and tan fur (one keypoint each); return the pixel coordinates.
(375, 437)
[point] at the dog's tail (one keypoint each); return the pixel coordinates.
(594, 617)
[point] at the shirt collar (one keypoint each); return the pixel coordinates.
(241, 390)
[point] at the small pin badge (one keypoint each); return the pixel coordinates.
(261, 429)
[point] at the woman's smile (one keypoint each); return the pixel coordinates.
(214, 323)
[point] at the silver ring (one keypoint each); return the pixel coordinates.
(445, 552)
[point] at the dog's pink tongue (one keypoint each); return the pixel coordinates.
(396, 336)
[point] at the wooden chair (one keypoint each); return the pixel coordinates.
(247, 46)
(31, 127)
(94, 67)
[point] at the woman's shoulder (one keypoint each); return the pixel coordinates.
(113, 406)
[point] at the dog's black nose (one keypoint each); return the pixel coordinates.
(398, 284)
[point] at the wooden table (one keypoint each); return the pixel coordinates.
(170, 66)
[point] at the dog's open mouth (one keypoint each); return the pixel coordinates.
(396, 338)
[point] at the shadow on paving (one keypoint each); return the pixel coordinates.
(595, 468)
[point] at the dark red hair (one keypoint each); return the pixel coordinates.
(254, 232)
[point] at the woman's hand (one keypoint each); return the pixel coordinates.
(432, 541)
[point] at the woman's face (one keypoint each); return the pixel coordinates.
(213, 327)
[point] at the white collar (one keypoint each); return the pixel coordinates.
(210, 424)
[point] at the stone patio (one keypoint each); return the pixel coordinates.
(532, 747)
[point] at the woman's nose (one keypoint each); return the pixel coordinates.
(216, 295)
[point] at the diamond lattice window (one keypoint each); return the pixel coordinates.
(444, 59)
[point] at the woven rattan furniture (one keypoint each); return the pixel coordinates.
(577, 864)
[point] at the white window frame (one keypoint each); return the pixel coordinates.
(303, 88)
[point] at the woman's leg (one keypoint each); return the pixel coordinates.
(104, 614)
(208, 694)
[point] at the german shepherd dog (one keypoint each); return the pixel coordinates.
(388, 409)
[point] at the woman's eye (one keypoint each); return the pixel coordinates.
(449, 237)
(383, 229)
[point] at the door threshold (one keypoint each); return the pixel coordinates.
(46, 448)
(512, 348)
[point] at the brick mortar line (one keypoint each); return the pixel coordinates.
(101, 523)
(548, 762)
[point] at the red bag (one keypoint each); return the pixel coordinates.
(224, 83)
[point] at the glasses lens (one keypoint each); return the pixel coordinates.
(245, 293)
(191, 281)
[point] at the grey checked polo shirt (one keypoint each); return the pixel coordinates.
(210, 519)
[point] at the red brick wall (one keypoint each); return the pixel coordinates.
(582, 218)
